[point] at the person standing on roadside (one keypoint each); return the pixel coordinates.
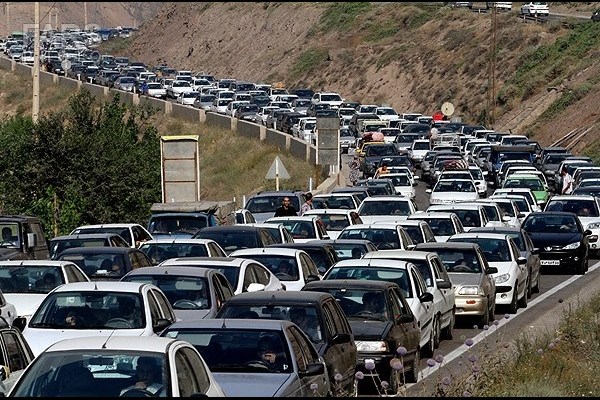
(308, 204)
(354, 170)
(567, 181)
(286, 209)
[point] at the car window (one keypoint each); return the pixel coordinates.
(188, 367)
(164, 305)
(17, 355)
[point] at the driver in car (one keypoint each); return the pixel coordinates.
(271, 356)
(148, 375)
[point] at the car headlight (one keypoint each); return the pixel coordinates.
(471, 290)
(594, 225)
(502, 278)
(572, 246)
(372, 347)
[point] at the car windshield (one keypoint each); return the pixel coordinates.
(183, 292)
(177, 224)
(268, 204)
(383, 207)
(30, 278)
(98, 265)
(495, 250)
(551, 224)
(374, 273)
(58, 245)
(283, 267)
(231, 240)
(82, 373)
(415, 233)
(380, 151)
(440, 226)
(454, 186)
(382, 238)
(238, 350)
(123, 232)
(331, 97)
(533, 184)
(90, 310)
(583, 208)
(362, 303)
(159, 252)
(421, 145)
(459, 260)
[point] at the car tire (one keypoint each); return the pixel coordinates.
(523, 302)
(429, 348)
(413, 374)
(436, 332)
(581, 268)
(447, 332)
(514, 304)
(529, 290)
(537, 288)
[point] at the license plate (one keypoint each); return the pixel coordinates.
(550, 262)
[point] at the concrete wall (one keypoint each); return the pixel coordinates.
(186, 113)
(154, 103)
(249, 130)
(97, 91)
(277, 138)
(23, 69)
(5, 63)
(124, 97)
(47, 79)
(221, 121)
(298, 148)
(68, 83)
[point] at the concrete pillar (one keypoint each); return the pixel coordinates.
(234, 124)
(263, 133)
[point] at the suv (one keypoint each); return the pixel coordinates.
(263, 204)
(317, 314)
(23, 238)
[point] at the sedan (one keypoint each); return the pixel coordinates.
(106, 263)
(25, 283)
(98, 367)
(61, 243)
(335, 220)
(187, 98)
(561, 238)
(442, 224)
(159, 250)
(383, 235)
(97, 309)
(244, 275)
(386, 208)
(257, 357)
(452, 191)
(194, 293)
(235, 237)
(155, 89)
(133, 233)
(125, 83)
(303, 228)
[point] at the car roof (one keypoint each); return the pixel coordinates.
(456, 206)
(311, 244)
(85, 236)
(178, 240)
(350, 283)
(117, 225)
(337, 211)
(485, 235)
(31, 263)
(230, 228)
(154, 344)
(280, 251)
(96, 250)
(231, 323)
(387, 198)
(503, 229)
(104, 286)
(211, 261)
(172, 270)
(341, 241)
(395, 253)
(445, 245)
(281, 296)
(372, 262)
(573, 197)
(444, 215)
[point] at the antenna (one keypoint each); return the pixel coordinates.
(223, 326)
(108, 338)
(95, 286)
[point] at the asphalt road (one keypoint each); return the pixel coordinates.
(558, 293)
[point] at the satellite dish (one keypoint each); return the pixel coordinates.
(65, 64)
(447, 109)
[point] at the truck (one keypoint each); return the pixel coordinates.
(23, 238)
(185, 218)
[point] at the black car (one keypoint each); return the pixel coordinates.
(55, 67)
(235, 237)
(561, 239)
(587, 190)
(323, 254)
(379, 334)
(317, 314)
(60, 243)
(349, 248)
(361, 191)
(303, 93)
(374, 154)
(106, 263)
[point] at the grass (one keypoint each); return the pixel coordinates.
(115, 46)
(309, 61)
(567, 98)
(341, 16)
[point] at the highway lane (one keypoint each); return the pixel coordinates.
(557, 291)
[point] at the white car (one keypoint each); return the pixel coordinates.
(384, 235)
(443, 224)
(335, 219)
(177, 87)
(453, 191)
(387, 113)
(494, 213)
(418, 149)
(133, 233)
(303, 228)
(293, 267)
(512, 215)
(187, 98)
(98, 308)
(102, 367)
(535, 8)
(233, 105)
(220, 105)
(512, 278)
(418, 230)
(478, 177)
(159, 250)
(331, 98)
(471, 214)
(244, 275)
(402, 184)
(156, 90)
(386, 208)
(344, 201)
(437, 282)
(25, 283)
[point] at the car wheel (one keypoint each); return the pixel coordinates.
(436, 332)
(529, 287)
(430, 345)
(581, 268)
(447, 332)
(523, 302)
(536, 288)
(513, 306)
(413, 374)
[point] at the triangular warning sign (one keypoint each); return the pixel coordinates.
(277, 168)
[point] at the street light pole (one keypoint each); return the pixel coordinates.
(36, 65)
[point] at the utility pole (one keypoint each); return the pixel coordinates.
(84, 15)
(8, 18)
(36, 65)
(493, 60)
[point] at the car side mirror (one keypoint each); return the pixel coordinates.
(312, 278)
(405, 318)
(160, 325)
(506, 218)
(256, 287)
(491, 270)
(312, 370)
(341, 338)
(522, 261)
(441, 284)
(587, 232)
(20, 323)
(520, 215)
(428, 191)
(426, 297)
(416, 177)
(415, 184)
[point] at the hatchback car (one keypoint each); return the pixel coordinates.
(335, 220)
(97, 309)
(318, 315)
(236, 237)
(381, 322)
(442, 224)
(99, 366)
(60, 243)
(474, 288)
(244, 275)
(159, 250)
(134, 234)
(106, 263)
(303, 228)
(257, 357)
(349, 248)
(383, 208)
(293, 267)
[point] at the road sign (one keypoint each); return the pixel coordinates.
(277, 171)
(447, 109)
(65, 64)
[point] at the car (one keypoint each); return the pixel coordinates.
(512, 279)
(25, 283)
(194, 293)
(562, 239)
(280, 233)
(97, 309)
(244, 275)
(263, 204)
(386, 208)
(437, 283)
(125, 83)
(16, 355)
(347, 140)
(344, 201)
(493, 211)
(276, 356)
(323, 254)
(235, 237)
(177, 87)
(335, 220)
(96, 366)
(528, 251)
(373, 155)
(303, 228)
(106, 263)
(453, 191)
(293, 267)
(474, 288)
(318, 315)
(159, 250)
(512, 215)
(521, 202)
(334, 100)
(361, 192)
(60, 243)
(187, 98)
(348, 248)
(442, 224)
(246, 112)
(134, 234)
(418, 230)
(535, 8)
(524, 180)
(471, 214)
(402, 184)
(379, 335)
(384, 235)
(204, 101)
(587, 209)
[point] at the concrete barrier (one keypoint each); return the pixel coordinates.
(100, 92)
(47, 79)
(5, 64)
(159, 104)
(248, 129)
(277, 138)
(298, 148)
(221, 121)
(23, 69)
(186, 113)
(124, 97)
(312, 158)
(68, 83)
(202, 114)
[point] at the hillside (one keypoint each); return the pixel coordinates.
(413, 57)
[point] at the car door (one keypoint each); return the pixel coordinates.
(533, 257)
(305, 354)
(523, 271)
(423, 310)
(446, 296)
(403, 333)
(341, 351)
(189, 372)
(15, 353)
